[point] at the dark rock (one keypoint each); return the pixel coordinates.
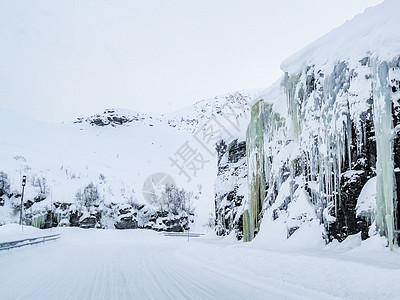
(28, 204)
(88, 222)
(125, 210)
(126, 223)
(292, 230)
(396, 158)
(74, 218)
(49, 221)
(40, 198)
(228, 202)
(236, 151)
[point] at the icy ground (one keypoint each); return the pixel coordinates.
(142, 264)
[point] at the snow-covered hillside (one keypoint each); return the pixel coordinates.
(117, 151)
(372, 33)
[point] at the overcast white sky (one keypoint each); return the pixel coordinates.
(64, 59)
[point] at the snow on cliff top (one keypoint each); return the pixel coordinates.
(375, 32)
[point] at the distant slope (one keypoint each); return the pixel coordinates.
(375, 32)
(117, 150)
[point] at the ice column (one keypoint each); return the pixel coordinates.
(256, 175)
(294, 109)
(383, 123)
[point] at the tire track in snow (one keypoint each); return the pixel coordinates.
(131, 265)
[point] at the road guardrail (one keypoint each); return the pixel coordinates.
(28, 241)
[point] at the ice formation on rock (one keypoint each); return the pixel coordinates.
(329, 126)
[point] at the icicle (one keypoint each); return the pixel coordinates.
(349, 137)
(384, 145)
(290, 87)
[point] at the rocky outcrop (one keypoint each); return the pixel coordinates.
(119, 216)
(126, 218)
(88, 222)
(166, 221)
(109, 117)
(220, 107)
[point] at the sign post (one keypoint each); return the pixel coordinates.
(22, 198)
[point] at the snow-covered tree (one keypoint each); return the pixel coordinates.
(176, 200)
(4, 184)
(89, 196)
(41, 183)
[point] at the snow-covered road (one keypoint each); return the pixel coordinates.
(139, 264)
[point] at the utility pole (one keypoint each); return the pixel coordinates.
(22, 200)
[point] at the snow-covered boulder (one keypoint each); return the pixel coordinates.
(126, 218)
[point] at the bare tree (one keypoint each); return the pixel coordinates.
(102, 178)
(176, 200)
(41, 183)
(90, 195)
(79, 197)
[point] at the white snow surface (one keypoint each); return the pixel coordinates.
(373, 32)
(14, 231)
(142, 264)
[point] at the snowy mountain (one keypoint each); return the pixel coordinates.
(319, 160)
(113, 154)
(307, 170)
(225, 108)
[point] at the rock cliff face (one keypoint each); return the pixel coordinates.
(323, 143)
(107, 216)
(230, 188)
(337, 131)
